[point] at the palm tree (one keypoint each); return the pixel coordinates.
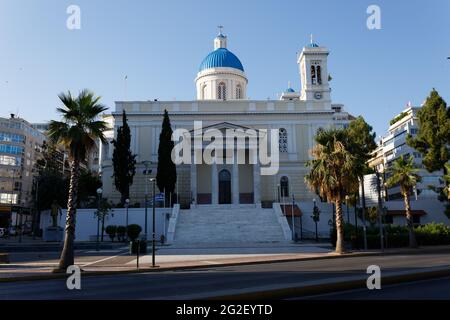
(333, 174)
(77, 132)
(404, 173)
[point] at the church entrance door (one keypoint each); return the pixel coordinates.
(224, 187)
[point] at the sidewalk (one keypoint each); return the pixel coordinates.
(168, 258)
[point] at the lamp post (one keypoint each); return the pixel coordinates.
(279, 194)
(316, 218)
(146, 173)
(99, 195)
(153, 180)
(127, 204)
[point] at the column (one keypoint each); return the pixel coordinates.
(235, 179)
(193, 181)
(257, 184)
(214, 183)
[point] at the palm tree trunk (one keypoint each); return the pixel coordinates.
(67, 255)
(339, 227)
(409, 221)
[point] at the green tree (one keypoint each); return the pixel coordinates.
(362, 144)
(124, 161)
(88, 185)
(102, 213)
(77, 132)
(433, 136)
(332, 173)
(404, 174)
(166, 177)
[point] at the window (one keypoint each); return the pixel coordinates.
(222, 91)
(313, 75)
(284, 187)
(10, 161)
(204, 91)
(10, 137)
(8, 198)
(319, 75)
(282, 141)
(10, 149)
(238, 92)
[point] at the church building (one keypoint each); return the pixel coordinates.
(222, 90)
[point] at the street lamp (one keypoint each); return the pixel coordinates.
(316, 218)
(127, 204)
(99, 194)
(153, 180)
(147, 172)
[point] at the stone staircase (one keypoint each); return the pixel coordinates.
(227, 224)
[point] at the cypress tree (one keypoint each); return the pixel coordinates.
(124, 162)
(166, 176)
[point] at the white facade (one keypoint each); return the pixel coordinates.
(295, 119)
(394, 145)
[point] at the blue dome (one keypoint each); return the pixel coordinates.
(221, 58)
(313, 45)
(290, 90)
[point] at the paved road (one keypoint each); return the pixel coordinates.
(435, 289)
(198, 283)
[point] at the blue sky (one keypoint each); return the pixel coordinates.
(160, 44)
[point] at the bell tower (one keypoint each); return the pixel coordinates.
(313, 63)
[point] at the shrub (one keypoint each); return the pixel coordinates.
(111, 231)
(133, 231)
(395, 236)
(433, 234)
(121, 231)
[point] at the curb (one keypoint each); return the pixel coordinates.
(332, 287)
(178, 268)
(4, 258)
(52, 276)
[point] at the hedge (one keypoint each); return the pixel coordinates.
(395, 236)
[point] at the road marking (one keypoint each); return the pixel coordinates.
(105, 259)
(103, 251)
(211, 262)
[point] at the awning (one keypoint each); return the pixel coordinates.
(287, 210)
(418, 213)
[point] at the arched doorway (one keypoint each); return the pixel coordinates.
(224, 187)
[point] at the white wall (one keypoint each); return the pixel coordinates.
(434, 209)
(86, 222)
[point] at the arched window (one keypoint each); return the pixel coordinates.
(313, 75)
(319, 75)
(284, 186)
(283, 141)
(222, 91)
(238, 92)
